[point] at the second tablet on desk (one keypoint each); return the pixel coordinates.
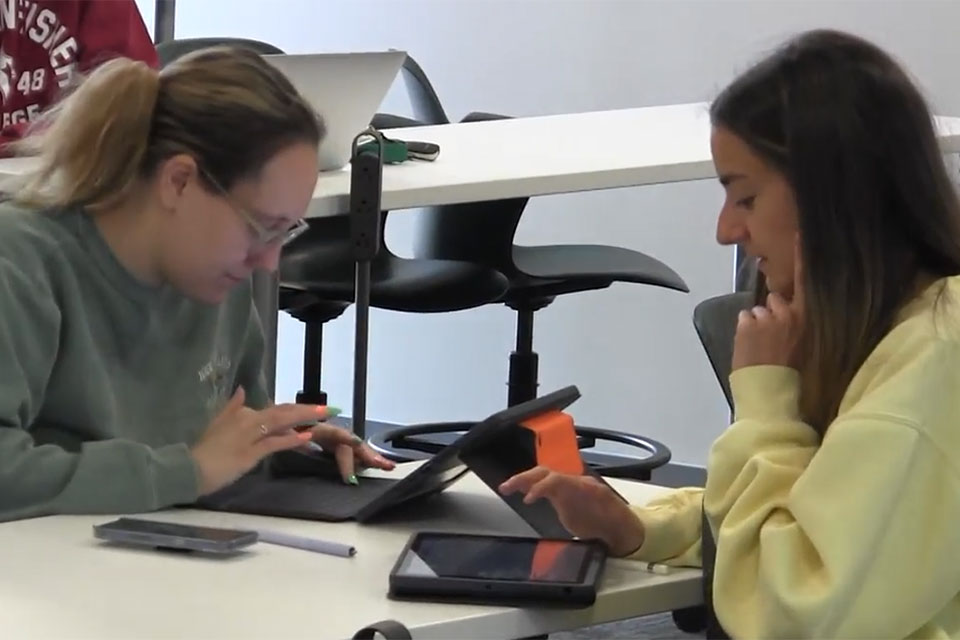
(498, 570)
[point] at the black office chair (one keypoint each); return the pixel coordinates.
(317, 269)
(482, 233)
(317, 273)
(715, 321)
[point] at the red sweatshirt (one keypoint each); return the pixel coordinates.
(43, 42)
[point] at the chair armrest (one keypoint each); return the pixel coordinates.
(480, 116)
(390, 121)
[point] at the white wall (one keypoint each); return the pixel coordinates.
(147, 8)
(631, 349)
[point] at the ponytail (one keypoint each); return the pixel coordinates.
(225, 107)
(92, 144)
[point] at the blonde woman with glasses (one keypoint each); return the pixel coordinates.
(131, 351)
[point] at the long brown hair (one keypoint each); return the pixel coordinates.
(226, 107)
(854, 137)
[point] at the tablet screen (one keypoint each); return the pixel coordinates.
(497, 558)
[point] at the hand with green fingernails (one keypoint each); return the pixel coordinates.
(348, 449)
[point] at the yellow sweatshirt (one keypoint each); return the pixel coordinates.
(857, 536)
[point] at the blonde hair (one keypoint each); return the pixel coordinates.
(224, 106)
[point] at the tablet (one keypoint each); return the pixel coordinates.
(299, 484)
(498, 570)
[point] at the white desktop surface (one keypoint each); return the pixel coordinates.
(542, 155)
(525, 157)
(57, 581)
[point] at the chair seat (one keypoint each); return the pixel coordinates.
(583, 267)
(400, 284)
(307, 307)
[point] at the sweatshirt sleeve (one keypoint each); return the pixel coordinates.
(109, 476)
(672, 528)
(853, 537)
(111, 28)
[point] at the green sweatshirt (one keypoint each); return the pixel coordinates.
(105, 382)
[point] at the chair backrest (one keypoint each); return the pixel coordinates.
(479, 232)
(424, 100)
(170, 50)
(715, 320)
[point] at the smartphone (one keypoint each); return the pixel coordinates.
(168, 535)
(422, 150)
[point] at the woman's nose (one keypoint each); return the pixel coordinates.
(731, 228)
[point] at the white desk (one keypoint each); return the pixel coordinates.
(57, 581)
(542, 155)
(550, 155)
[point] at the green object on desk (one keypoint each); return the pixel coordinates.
(394, 151)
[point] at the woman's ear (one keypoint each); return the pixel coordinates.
(172, 177)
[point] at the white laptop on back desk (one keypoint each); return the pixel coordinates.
(346, 89)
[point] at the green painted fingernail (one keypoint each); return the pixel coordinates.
(353, 480)
(358, 440)
(333, 412)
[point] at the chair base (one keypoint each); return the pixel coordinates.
(402, 445)
(691, 619)
(410, 443)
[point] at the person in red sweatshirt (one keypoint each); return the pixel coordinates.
(44, 43)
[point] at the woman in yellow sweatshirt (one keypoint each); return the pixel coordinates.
(834, 498)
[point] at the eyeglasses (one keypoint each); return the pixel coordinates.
(261, 236)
